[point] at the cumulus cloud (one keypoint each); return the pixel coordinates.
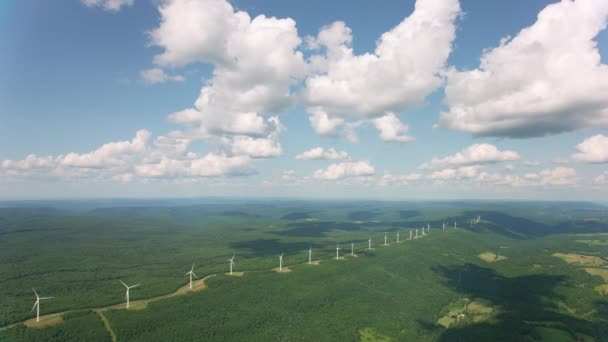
(119, 161)
(211, 165)
(472, 155)
(157, 75)
(256, 147)
(256, 61)
(392, 129)
(558, 176)
(601, 179)
(547, 79)
(403, 69)
(345, 170)
(288, 175)
(592, 150)
(319, 153)
(389, 178)
(108, 5)
(114, 153)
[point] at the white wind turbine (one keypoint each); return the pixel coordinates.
(397, 236)
(454, 224)
(337, 251)
(128, 288)
(416, 234)
(37, 304)
(231, 261)
(369, 243)
(310, 255)
(352, 248)
(281, 262)
(191, 274)
(385, 238)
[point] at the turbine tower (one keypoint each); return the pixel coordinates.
(416, 234)
(337, 251)
(385, 238)
(128, 288)
(369, 243)
(310, 255)
(454, 224)
(352, 248)
(397, 236)
(231, 261)
(37, 305)
(281, 262)
(191, 274)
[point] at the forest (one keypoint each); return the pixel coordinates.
(530, 271)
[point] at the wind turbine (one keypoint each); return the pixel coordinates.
(428, 228)
(454, 224)
(369, 243)
(231, 260)
(191, 273)
(310, 255)
(37, 305)
(385, 238)
(352, 248)
(397, 236)
(337, 251)
(410, 234)
(281, 262)
(128, 288)
(416, 234)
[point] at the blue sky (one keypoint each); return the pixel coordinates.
(528, 123)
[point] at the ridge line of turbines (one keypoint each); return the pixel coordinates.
(191, 273)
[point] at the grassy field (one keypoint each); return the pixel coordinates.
(540, 288)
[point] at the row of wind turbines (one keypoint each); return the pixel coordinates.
(413, 235)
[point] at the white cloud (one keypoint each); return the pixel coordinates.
(601, 179)
(547, 79)
(288, 175)
(256, 147)
(391, 128)
(388, 179)
(319, 153)
(110, 154)
(558, 176)
(592, 150)
(211, 165)
(345, 170)
(108, 5)
(472, 155)
(399, 74)
(256, 62)
(157, 75)
(119, 161)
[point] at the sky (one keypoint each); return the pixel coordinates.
(427, 99)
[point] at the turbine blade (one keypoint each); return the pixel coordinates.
(134, 286)
(35, 305)
(192, 269)
(35, 292)
(194, 275)
(46, 297)
(123, 283)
